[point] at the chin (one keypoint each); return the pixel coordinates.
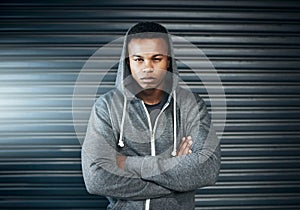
(148, 87)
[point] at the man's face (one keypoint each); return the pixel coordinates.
(148, 61)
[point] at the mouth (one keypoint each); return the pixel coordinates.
(148, 79)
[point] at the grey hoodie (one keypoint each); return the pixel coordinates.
(153, 177)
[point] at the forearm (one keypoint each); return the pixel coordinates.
(177, 173)
(181, 173)
(189, 172)
(117, 183)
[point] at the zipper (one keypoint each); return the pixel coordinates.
(152, 137)
(152, 130)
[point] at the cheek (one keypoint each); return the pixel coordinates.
(163, 65)
(135, 71)
(133, 68)
(163, 74)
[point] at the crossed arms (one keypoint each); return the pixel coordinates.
(108, 173)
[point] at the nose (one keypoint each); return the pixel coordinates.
(148, 67)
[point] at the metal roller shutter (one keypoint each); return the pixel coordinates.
(254, 45)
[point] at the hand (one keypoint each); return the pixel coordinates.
(121, 161)
(185, 146)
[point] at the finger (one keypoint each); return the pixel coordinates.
(182, 146)
(179, 149)
(190, 143)
(181, 143)
(188, 146)
(185, 147)
(189, 138)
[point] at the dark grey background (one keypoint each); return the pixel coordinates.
(254, 45)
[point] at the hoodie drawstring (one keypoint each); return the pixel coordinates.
(121, 142)
(174, 126)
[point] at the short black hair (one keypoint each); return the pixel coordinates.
(144, 27)
(150, 30)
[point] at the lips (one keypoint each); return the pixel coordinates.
(148, 79)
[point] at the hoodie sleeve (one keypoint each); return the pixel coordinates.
(101, 174)
(187, 172)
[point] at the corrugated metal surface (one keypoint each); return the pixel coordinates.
(254, 45)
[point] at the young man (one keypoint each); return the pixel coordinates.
(149, 142)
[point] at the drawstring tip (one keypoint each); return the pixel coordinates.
(174, 153)
(121, 143)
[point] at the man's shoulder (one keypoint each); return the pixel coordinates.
(188, 95)
(108, 97)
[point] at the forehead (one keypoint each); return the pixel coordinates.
(138, 46)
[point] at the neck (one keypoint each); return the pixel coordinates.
(151, 96)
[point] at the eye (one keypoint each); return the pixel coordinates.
(157, 59)
(138, 59)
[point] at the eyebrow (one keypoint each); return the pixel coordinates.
(151, 56)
